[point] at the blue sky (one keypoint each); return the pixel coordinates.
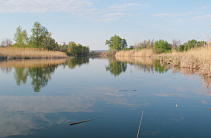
(92, 22)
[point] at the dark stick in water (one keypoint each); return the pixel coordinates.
(80, 122)
(140, 124)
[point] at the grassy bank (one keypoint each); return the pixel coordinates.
(31, 63)
(30, 53)
(196, 58)
(136, 53)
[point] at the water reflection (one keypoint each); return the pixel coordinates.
(39, 71)
(49, 113)
(151, 65)
(119, 64)
(72, 63)
(116, 67)
(21, 75)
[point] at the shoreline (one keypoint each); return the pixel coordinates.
(30, 53)
(196, 58)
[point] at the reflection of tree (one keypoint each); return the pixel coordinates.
(21, 75)
(116, 67)
(158, 68)
(155, 67)
(6, 69)
(72, 63)
(39, 75)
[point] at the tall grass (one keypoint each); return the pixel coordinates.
(21, 53)
(196, 58)
(31, 63)
(136, 53)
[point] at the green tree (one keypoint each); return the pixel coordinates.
(39, 34)
(161, 46)
(191, 44)
(77, 49)
(20, 37)
(71, 48)
(116, 43)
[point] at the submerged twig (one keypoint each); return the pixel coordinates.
(126, 90)
(140, 124)
(80, 122)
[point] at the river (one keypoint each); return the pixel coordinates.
(40, 98)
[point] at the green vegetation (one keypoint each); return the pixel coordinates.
(115, 43)
(77, 49)
(161, 46)
(41, 38)
(191, 44)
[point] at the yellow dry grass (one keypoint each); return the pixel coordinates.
(196, 58)
(136, 53)
(31, 63)
(30, 53)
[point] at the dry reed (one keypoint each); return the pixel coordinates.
(21, 53)
(31, 63)
(136, 53)
(196, 58)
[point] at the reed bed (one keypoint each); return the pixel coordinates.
(31, 53)
(136, 53)
(196, 58)
(31, 63)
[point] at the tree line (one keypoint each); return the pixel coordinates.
(116, 43)
(42, 38)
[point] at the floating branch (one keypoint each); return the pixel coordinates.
(80, 122)
(126, 90)
(140, 124)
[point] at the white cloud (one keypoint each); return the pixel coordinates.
(114, 14)
(203, 17)
(126, 6)
(171, 15)
(76, 7)
(181, 20)
(205, 7)
(39, 6)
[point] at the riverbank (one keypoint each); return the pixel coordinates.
(29, 53)
(196, 58)
(31, 63)
(97, 54)
(136, 53)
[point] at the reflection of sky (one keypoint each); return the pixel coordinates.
(89, 91)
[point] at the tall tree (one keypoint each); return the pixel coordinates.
(71, 48)
(116, 43)
(161, 46)
(20, 37)
(39, 34)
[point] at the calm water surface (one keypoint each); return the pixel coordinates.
(41, 100)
